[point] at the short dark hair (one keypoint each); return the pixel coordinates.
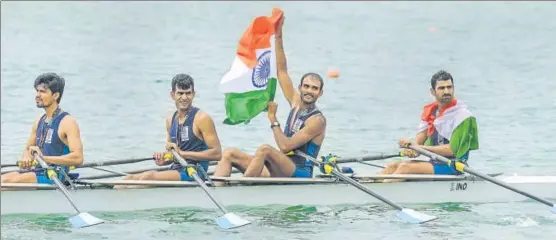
(313, 76)
(440, 76)
(53, 82)
(183, 81)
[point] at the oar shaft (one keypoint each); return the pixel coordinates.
(110, 171)
(203, 186)
(200, 182)
(115, 162)
(57, 182)
(366, 158)
(365, 189)
(478, 174)
(352, 182)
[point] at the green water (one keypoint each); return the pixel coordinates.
(118, 59)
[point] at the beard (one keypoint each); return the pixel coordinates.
(446, 98)
(308, 101)
(43, 105)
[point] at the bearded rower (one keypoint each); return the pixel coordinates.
(304, 130)
(55, 136)
(447, 128)
(190, 131)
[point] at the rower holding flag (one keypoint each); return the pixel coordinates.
(447, 128)
(304, 129)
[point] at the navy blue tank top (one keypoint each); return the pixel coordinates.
(296, 123)
(47, 138)
(183, 136)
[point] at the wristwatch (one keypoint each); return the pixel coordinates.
(275, 124)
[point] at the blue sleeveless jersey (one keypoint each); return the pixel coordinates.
(293, 125)
(50, 144)
(183, 136)
(47, 138)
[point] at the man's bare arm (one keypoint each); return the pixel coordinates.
(314, 126)
(282, 68)
(70, 129)
(444, 150)
(208, 131)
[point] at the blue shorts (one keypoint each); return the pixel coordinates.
(441, 168)
(306, 172)
(185, 177)
(42, 177)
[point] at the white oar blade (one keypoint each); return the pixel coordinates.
(554, 208)
(412, 216)
(84, 220)
(231, 220)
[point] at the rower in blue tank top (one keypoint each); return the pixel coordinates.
(304, 130)
(182, 134)
(55, 136)
(296, 122)
(189, 131)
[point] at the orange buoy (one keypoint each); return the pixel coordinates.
(333, 73)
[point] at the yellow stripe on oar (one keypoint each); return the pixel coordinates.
(460, 166)
(51, 174)
(191, 171)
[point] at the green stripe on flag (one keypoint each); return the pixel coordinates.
(242, 107)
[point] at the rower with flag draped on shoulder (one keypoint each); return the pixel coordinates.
(55, 136)
(447, 128)
(304, 130)
(189, 131)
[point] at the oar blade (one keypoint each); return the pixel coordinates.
(84, 220)
(412, 216)
(231, 220)
(554, 208)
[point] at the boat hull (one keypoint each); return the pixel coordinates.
(419, 192)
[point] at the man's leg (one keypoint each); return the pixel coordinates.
(15, 177)
(233, 157)
(280, 165)
(412, 167)
(391, 167)
(168, 175)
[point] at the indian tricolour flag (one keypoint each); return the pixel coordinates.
(251, 81)
(458, 125)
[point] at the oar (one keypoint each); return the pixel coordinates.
(368, 158)
(83, 219)
(119, 174)
(114, 162)
(463, 168)
(8, 165)
(228, 220)
(96, 164)
(406, 214)
(110, 171)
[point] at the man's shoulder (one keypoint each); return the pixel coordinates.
(68, 122)
(202, 117)
(318, 118)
